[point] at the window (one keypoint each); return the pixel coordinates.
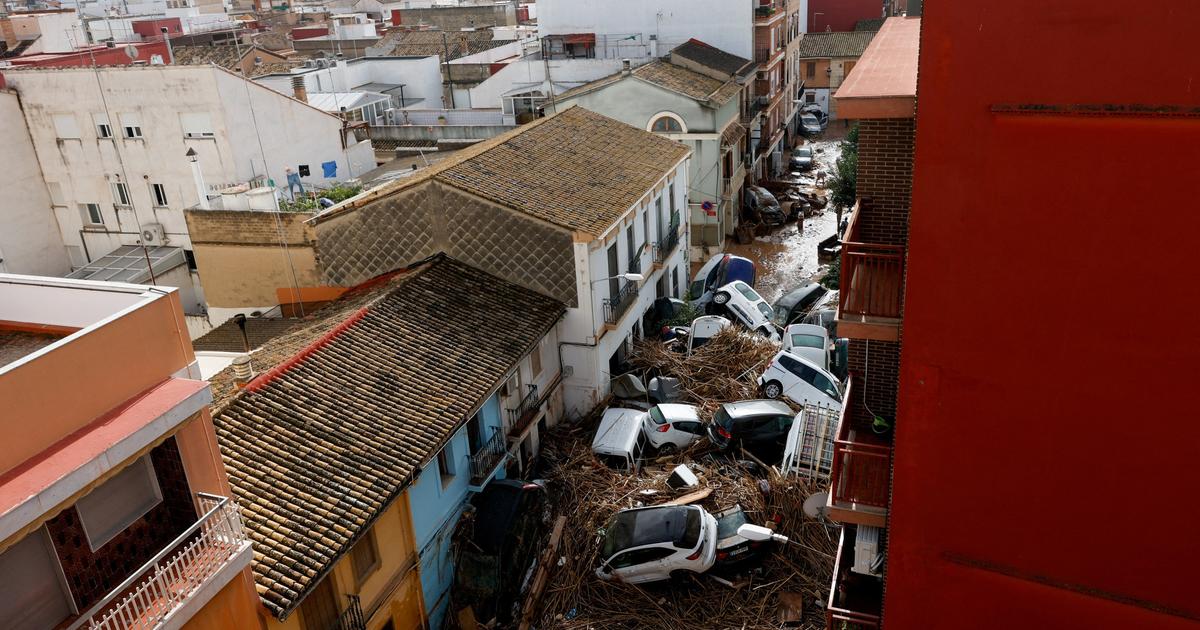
(666, 124)
(810, 97)
(130, 126)
(364, 556)
(66, 127)
(535, 359)
(810, 70)
(103, 128)
(641, 556)
(746, 291)
(695, 428)
(320, 610)
(91, 213)
(159, 192)
(32, 583)
(121, 194)
(119, 502)
(445, 459)
(634, 255)
(645, 227)
(196, 124)
(56, 194)
(807, 341)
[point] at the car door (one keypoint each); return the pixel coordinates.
(684, 431)
(800, 388)
(640, 565)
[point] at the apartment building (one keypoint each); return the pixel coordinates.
(695, 96)
(374, 90)
(880, 96)
(353, 490)
(1039, 532)
(825, 60)
(123, 151)
(576, 206)
(773, 113)
(115, 510)
(30, 242)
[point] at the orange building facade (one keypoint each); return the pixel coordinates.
(114, 504)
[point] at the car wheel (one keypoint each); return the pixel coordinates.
(721, 299)
(667, 449)
(772, 390)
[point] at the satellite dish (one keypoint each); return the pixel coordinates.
(814, 506)
(131, 51)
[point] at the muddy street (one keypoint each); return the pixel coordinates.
(787, 257)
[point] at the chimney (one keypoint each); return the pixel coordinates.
(298, 89)
(625, 66)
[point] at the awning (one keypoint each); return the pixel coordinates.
(127, 263)
(732, 135)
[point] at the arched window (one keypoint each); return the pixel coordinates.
(666, 124)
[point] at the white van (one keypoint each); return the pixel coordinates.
(705, 328)
(619, 441)
(792, 375)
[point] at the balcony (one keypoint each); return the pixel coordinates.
(768, 56)
(181, 578)
(872, 284)
(635, 263)
(768, 13)
(352, 617)
(666, 245)
(855, 600)
(615, 306)
(862, 460)
(487, 459)
(523, 414)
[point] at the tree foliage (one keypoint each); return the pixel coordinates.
(843, 186)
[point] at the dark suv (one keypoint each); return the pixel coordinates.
(759, 426)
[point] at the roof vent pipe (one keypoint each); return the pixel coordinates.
(298, 90)
(242, 372)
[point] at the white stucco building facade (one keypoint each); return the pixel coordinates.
(636, 28)
(123, 151)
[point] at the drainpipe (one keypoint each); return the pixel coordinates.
(198, 179)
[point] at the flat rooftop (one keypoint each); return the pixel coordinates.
(883, 84)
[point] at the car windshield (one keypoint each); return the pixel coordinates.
(697, 289)
(809, 119)
(745, 290)
(765, 310)
(656, 415)
(807, 341)
(803, 152)
(691, 531)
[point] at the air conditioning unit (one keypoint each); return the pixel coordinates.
(153, 234)
(866, 550)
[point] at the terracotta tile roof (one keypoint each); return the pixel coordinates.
(228, 57)
(259, 330)
(732, 134)
(425, 43)
(713, 57)
(687, 82)
(382, 379)
(576, 169)
(277, 67)
(668, 76)
(831, 45)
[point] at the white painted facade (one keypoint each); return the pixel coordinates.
(726, 24)
(55, 31)
(29, 239)
(529, 75)
(587, 342)
(154, 115)
(421, 77)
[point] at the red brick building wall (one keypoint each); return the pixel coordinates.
(885, 175)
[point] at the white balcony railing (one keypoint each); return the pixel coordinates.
(164, 583)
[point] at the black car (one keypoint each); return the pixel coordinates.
(792, 307)
(508, 526)
(759, 426)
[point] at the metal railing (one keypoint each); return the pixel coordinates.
(667, 244)
(352, 617)
(485, 460)
(860, 470)
(872, 279)
(635, 262)
(519, 417)
(849, 619)
(148, 596)
(615, 306)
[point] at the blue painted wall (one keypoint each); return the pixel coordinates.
(436, 508)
